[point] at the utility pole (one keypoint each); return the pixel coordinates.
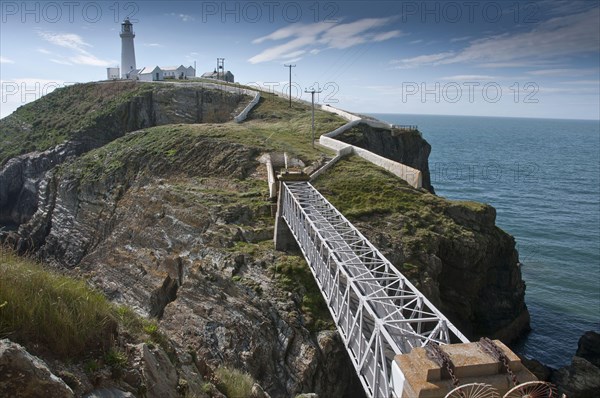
(312, 92)
(290, 66)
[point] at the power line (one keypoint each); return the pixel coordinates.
(290, 66)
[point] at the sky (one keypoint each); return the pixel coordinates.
(484, 58)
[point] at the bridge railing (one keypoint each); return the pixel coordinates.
(377, 311)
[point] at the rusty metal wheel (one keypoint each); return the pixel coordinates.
(474, 390)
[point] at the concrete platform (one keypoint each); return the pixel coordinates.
(425, 379)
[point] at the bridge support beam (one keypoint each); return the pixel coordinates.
(283, 237)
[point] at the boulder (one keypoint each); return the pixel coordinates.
(579, 380)
(588, 347)
(23, 375)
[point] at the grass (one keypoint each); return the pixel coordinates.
(358, 189)
(43, 307)
(281, 128)
(234, 383)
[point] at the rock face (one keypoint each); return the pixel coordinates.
(160, 234)
(407, 147)
(24, 376)
(581, 379)
(588, 348)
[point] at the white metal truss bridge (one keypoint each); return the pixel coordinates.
(377, 311)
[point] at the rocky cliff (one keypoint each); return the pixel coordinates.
(77, 119)
(174, 221)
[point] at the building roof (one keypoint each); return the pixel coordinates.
(147, 69)
(169, 68)
(214, 73)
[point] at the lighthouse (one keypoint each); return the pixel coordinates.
(127, 49)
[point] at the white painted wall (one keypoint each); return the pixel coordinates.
(409, 174)
(244, 114)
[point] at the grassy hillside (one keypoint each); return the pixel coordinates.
(58, 116)
(272, 126)
(62, 114)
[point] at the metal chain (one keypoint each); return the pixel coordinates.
(492, 349)
(435, 353)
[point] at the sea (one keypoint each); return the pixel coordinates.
(543, 178)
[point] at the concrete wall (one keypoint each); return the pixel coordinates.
(411, 175)
(244, 114)
(346, 115)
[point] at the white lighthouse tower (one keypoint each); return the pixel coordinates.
(127, 49)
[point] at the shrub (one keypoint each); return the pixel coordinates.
(234, 383)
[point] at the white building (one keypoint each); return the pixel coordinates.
(149, 74)
(224, 76)
(112, 73)
(178, 72)
(157, 73)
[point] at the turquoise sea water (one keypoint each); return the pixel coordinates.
(543, 178)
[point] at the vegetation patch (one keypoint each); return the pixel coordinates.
(293, 273)
(234, 383)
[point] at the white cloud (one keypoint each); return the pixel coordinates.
(544, 44)
(183, 17)
(388, 35)
(301, 37)
(152, 45)
(564, 72)
(67, 40)
(89, 59)
(76, 43)
(4, 60)
(463, 38)
(421, 60)
(468, 78)
(44, 51)
(595, 83)
(60, 61)
(416, 41)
